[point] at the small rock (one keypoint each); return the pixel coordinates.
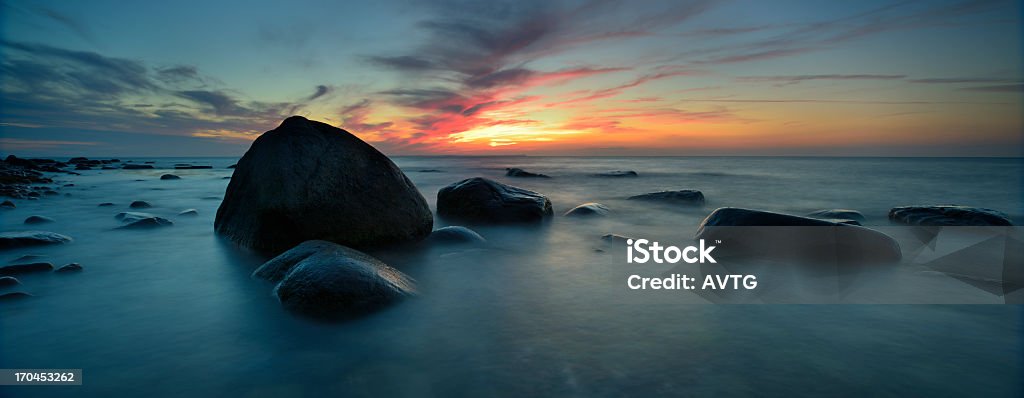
(136, 166)
(169, 177)
(588, 209)
(837, 214)
(189, 212)
(483, 200)
(18, 269)
(8, 205)
(687, 197)
(456, 234)
(7, 281)
(618, 173)
(10, 240)
(14, 296)
(429, 171)
(39, 220)
(192, 167)
(517, 172)
(73, 267)
(615, 238)
(140, 204)
(27, 257)
(948, 215)
(105, 204)
(233, 166)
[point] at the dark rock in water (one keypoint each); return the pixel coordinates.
(192, 167)
(11, 240)
(27, 258)
(588, 209)
(323, 279)
(456, 234)
(210, 198)
(50, 192)
(430, 171)
(189, 212)
(38, 220)
(308, 180)
(169, 177)
(762, 234)
(146, 223)
(618, 173)
(115, 160)
(78, 160)
(18, 269)
(686, 197)
(232, 166)
(105, 204)
(226, 178)
(69, 185)
(8, 281)
(483, 200)
(73, 267)
(14, 296)
(7, 205)
(517, 172)
(837, 214)
(108, 168)
(140, 204)
(137, 166)
(948, 215)
(615, 238)
(83, 167)
(149, 162)
(135, 220)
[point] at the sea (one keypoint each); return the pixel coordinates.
(539, 310)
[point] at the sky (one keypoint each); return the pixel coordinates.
(439, 77)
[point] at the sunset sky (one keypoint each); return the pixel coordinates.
(182, 78)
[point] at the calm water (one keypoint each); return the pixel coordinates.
(173, 312)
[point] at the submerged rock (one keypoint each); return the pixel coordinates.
(948, 215)
(27, 257)
(8, 281)
(73, 267)
(757, 234)
(7, 205)
(11, 240)
(456, 234)
(686, 197)
(615, 238)
(134, 222)
(18, 269)
(39, 220)
(14, 296)
(136, 166)
(517, 172)
(588, 209)
(105, 204)
(308, 180)
(140, 204)
(190, 167)
(618, 173)
(169, 177)
(482, 200)
(324, 279)
(189, 212)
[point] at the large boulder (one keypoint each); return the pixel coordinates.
(308, 180)
(764, 234)
(944, 215)
(482, 200)
(685, 197)
(11, 240)
(324, 279)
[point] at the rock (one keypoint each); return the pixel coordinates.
(137, 166)
(27, 258)
(140, 204)
(618, 173)
(762, 234)
(308, 180)
(233, 166)
(83, 167)
(134, 220)
(687, 197)
(105, 204)
(948, 215)
(73, 267)
(8, 281)
(69, 185)
(189, 212)
(169, 177)
(190, 167)
(588, 209)
(14, 296)
(8, 205)
(456, 234)
(517, 172)
(324, 279)
(18, 269)
(50, 192)
(838, 214)
(430, 171)
(109, 168)
(483, 200)
(11, 240)
(39, 220)
(615, 238)
(78, 160)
